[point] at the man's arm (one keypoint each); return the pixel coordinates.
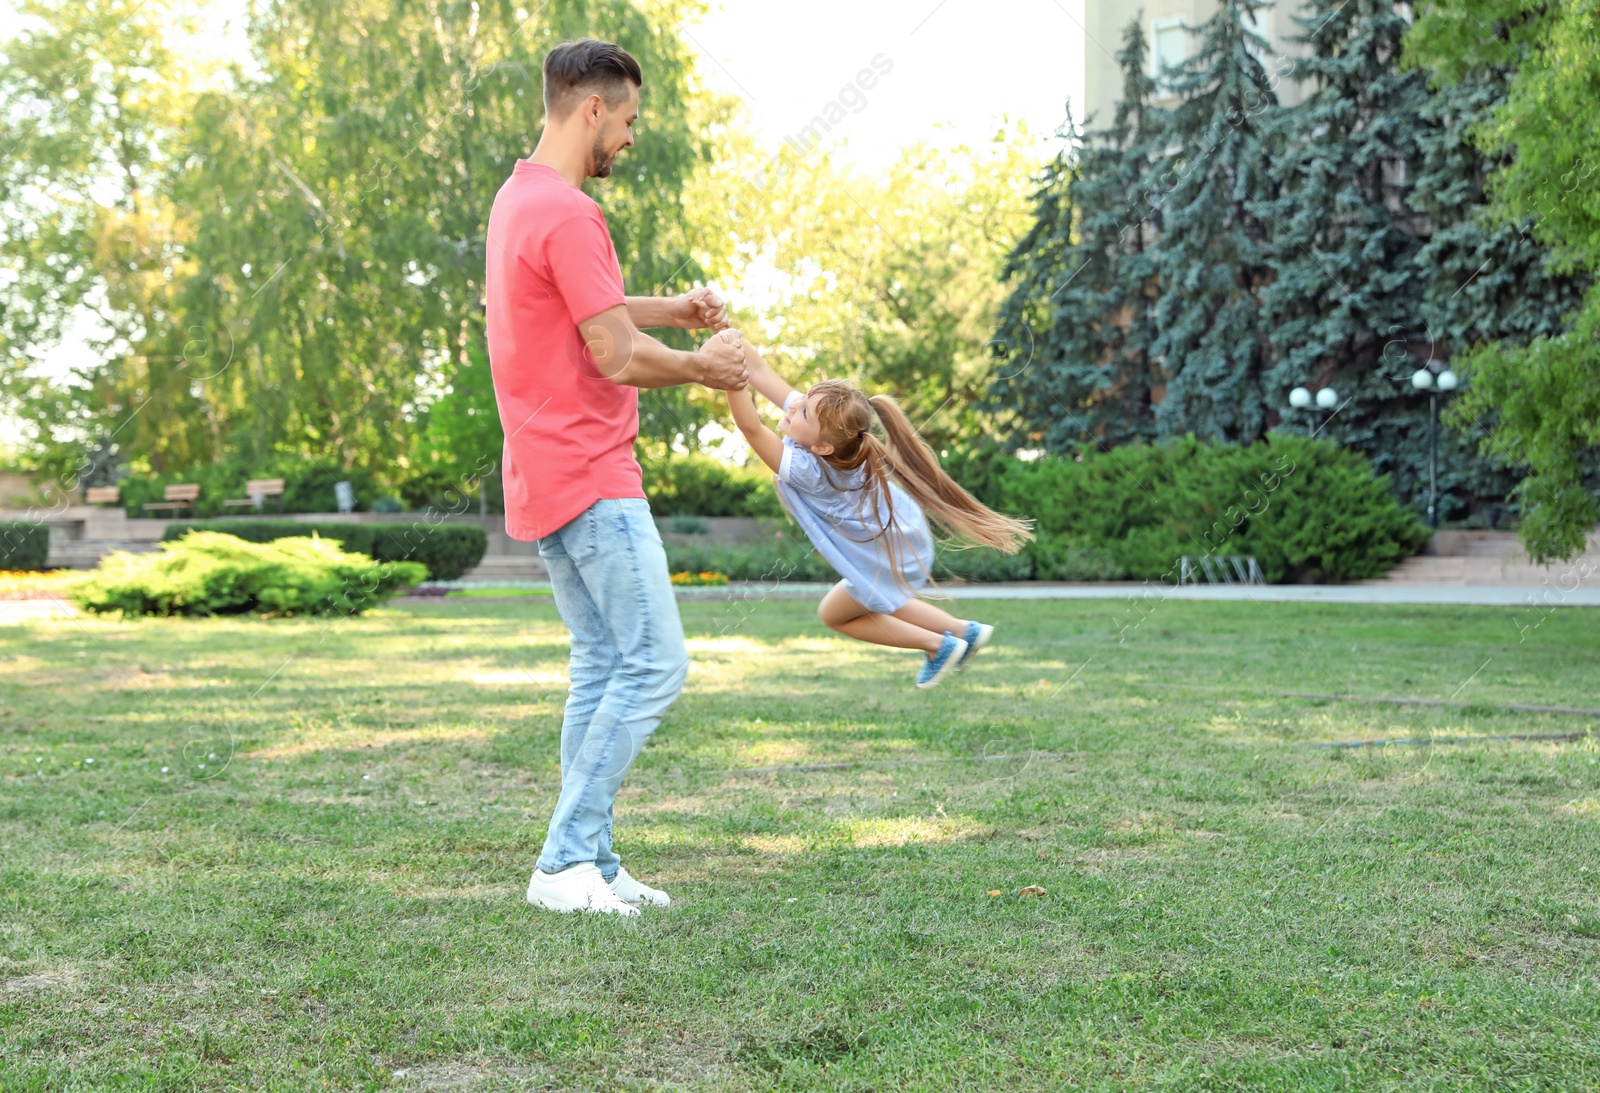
(766, 443)
(697, 309)
(625, 355)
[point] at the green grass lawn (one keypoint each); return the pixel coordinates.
(336, 896)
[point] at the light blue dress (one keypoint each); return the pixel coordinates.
(832, 509)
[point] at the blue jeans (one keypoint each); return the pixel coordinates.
(628, 663)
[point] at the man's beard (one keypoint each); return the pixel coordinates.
(602, 162)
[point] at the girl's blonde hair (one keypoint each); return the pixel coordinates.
(844, 418)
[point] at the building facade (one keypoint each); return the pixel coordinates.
(1169, 37)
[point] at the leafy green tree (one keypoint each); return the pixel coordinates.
(1542, 394)
(91, 110)
(347, 199)
(290, 260)
(890, 279)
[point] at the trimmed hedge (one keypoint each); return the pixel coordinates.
(783, 555)
(209, 573)
(790, 557)
(447, 550)
(695, 484)
(24, 546)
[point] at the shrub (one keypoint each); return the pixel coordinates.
(447, 550)
(980, 564)
(1057, 558)
(24, 545)
(782, 555)
(209, 573)
(683, 524)
(696, 484)
(1306, 509)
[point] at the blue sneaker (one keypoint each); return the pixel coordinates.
(978, 635)
(943, 662)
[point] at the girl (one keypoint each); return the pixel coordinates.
(862, 502)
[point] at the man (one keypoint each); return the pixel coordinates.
(568, 360)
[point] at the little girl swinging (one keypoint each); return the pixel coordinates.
(865, 504)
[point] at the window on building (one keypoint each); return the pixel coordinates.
(1169, 45)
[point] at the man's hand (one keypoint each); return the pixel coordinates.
(722, 357)
(700, 309)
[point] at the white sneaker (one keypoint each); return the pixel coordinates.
(631, 891)
(576, 888)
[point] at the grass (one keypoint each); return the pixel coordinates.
(335, 897)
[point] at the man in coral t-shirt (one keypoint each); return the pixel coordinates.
(568, 359)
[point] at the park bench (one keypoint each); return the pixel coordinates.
(259, 489)
(176, 498)
(102, 495)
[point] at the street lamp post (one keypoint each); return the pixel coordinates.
(1424, 380)
(1326, 399)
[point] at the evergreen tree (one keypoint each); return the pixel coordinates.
(1542, 390)
(1483, 280)
(1211, 258)
(1076, 363)
(1347, 306)
(1336, 242)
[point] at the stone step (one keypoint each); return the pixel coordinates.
(1468, 570)
(508, 567)
(86, 553)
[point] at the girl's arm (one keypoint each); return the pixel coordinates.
(765, 380)
(767, 444)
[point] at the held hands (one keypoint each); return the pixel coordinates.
(723, 357)
(701, 309)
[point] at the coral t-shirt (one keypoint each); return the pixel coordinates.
(569, 430)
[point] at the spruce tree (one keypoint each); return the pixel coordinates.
(1074, 329)
(1346, 304)
(1382, 262)
(1211, 257)
(1485, 280)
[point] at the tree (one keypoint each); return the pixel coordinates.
(1210, 343)
(1075, 323)
(1543, 394)
(889, 279)
(91, 110)
(296, 268)
(1372, 224)
(348, 197)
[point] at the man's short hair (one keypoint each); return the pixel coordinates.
(575, 70)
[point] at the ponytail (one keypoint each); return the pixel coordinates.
(912, 464)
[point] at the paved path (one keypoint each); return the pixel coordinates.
(1399, 592)
(1584, 595)
(29, 610)
(15, 611)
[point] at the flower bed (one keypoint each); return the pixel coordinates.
(54, 584)
(706, 578)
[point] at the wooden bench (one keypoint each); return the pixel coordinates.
(259, 490)
(177, 498)
(102, 495)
